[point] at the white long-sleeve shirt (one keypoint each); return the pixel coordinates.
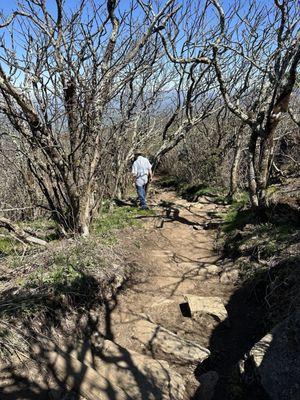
(141, 169)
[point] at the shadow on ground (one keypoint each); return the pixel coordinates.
(230, 340)
(42, 368)
(253, 309)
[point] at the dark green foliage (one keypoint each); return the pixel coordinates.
(239, 213)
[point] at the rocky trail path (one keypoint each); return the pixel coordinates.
(177, 300)
(175, 333)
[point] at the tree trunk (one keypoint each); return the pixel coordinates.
(235, 164)
(265, 160)
(259, 171)
(251, 170)
(82, 219)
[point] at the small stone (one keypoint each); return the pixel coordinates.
(197, 227)
(230, 276)
(212, 269)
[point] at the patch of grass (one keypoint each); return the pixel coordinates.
(274, 232)
(62, 278)
(238, 214)
(137, 244)
(259, 241)
(46, 228)
(39, 224)
(8, 246)
(249, 271)
(110, 221)
(271, 190)
(207, 191)
(67, 277)
(10, 340)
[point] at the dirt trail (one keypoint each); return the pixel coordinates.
(146, 344)
(174, 259)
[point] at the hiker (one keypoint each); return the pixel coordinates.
(142, 172)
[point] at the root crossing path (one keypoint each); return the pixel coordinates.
(176, 302)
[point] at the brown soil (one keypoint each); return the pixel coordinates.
(170, 263)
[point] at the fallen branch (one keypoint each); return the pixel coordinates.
(16, 209)
(19, 233)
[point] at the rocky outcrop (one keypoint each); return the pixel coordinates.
(166, 345)
(275, 360)
(103, 372)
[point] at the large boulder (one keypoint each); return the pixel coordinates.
(275, 360)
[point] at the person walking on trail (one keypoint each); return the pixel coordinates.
(142, 172)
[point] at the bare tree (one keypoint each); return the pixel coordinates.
(294, 106)
(59, 73)
(192, 96)
(256, 59)
(238, 150)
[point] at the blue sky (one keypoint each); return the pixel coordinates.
(8, 6)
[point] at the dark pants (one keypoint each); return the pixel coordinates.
(141, 191)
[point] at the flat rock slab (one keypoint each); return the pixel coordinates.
(206, 305)
(165, 344)
(103, 373)
(165, 311)
(132, 375)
